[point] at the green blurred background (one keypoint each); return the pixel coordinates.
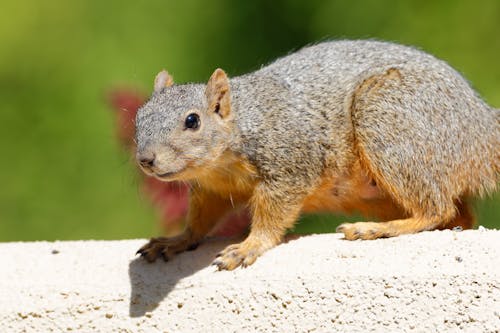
(64, 175)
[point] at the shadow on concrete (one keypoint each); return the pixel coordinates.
(152, 282)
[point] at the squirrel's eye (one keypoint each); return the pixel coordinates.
(192, 121)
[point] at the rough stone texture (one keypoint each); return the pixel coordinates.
(441, 281)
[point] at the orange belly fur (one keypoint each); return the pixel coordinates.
(355, 192)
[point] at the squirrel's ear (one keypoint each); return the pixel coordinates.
(162, 80)
(217, 93)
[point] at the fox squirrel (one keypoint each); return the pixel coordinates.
(374, 127)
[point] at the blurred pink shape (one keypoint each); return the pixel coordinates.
(170, 199)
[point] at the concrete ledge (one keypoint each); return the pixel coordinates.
(432, 281)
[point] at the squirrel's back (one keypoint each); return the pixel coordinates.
(337, 64)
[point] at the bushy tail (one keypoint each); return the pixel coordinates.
(488, 167)
(497, 145)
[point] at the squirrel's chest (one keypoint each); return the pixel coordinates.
(235, 181)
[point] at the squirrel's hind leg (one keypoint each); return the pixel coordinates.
(403, 133)
(374, 230)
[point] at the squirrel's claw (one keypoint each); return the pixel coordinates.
(363, 230)
(193, 246)
(165, 247)
(243, 254)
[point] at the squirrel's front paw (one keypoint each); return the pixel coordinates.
(244, 254)
(166, 247)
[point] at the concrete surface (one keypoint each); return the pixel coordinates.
(441, 281)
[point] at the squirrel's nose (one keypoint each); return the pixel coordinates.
(146, 161)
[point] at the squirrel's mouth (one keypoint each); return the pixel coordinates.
(166, 175)
(182, 174)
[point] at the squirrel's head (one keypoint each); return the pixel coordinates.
(184, 129)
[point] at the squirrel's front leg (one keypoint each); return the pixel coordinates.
(205, 210)
(272, 214)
